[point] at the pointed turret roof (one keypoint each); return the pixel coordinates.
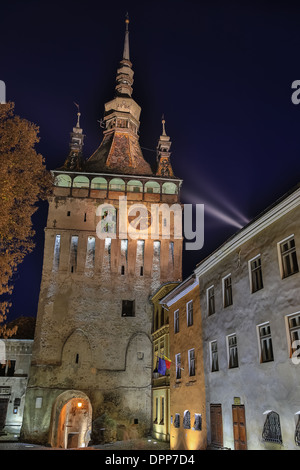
(164, 167)
(74, 161)
(120, 151)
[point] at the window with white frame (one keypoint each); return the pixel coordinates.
(288, 257)
(233, 360)
(255, 270)
(214, 356)
(265, 342)
(191, 356)
(227, 291)
(176, 321)
(294, 333)
(210, 296)
(189, 313)
(178, 365)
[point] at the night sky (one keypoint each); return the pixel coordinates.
(220, 72)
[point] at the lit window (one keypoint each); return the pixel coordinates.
(90, 253)
(56, 253)
(73, 253)
(162, 410)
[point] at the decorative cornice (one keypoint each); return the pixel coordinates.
(278, 210)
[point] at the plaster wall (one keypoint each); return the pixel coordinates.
(260, 386)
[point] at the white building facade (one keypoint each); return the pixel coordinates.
(250, 304)
(15, 360)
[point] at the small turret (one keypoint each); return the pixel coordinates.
(164, 167)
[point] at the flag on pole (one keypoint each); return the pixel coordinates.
(161, 366)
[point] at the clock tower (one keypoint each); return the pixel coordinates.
(91, 370)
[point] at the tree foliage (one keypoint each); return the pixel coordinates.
(24, 181)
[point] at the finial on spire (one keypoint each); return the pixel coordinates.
(78, 115)
(126, 42)
(127, 20)
(163, 123)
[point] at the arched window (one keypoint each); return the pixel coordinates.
(117, 184)
(134, 186)
(152, 187)
(272, 430)
(98, 183)
(63, 181)
(187, 420)
(81, 182)
(297, 431)
(169, 188)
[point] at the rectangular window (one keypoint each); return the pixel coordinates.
(255, 274)
(176, 321)
(90, 253)
(189, 313)
(162, 410)
(210, 296)
(214, 356)
(191, 354)
(156, 411)
(227, 291)
(56, 253)
(294, 333)
(288, 257)
(232, 352)
(265, 343)
(171, 252)
(73, 253)
(178, 366)
(128, 308)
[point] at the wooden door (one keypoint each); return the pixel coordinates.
(239, 427)
(216, 425)
(3, 411)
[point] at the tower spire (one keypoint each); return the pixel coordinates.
(164, 167)
(74, 159)
(124, 79)
(126, 41)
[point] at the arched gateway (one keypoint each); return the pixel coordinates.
(71, 420)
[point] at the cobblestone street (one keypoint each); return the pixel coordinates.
(134, 444)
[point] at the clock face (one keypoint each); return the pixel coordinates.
(139, 218)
